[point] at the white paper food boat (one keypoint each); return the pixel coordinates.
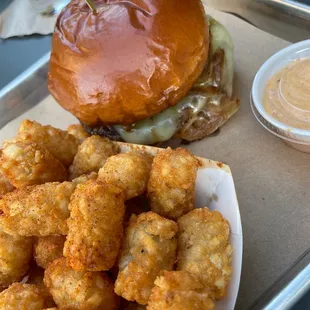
(215, 188)
(214, 185)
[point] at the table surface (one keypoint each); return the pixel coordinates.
(17, 54)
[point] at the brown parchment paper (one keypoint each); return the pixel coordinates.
(272, 180)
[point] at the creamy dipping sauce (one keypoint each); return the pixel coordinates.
(287, 95)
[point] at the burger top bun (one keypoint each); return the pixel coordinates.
(127, 61)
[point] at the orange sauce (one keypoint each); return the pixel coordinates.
(287, 95)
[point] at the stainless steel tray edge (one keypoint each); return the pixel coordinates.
(289, 288)
(30, 88)
(25, 91)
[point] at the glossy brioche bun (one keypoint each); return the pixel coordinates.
(131, 61)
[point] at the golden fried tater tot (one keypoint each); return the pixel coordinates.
(40, 210)
(78, 132)
(5, 186)
(47, 249)
(129, 171)
(81, 290)
(59, 143)
(171, 188)
(149, 246)
(204, 249)
(95, 226)
(22, 297)
(15, 256)
(26, 164)
(91, 155)
(175, 290)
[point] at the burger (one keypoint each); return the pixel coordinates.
(143, 71)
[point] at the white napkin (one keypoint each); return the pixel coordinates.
(21, 18)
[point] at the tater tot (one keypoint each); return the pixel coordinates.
(47, 249)
(95, 226)
(5, 186)
(59, 143)
(39, 210)
(15, 256)
(130, 171)
(78, 132)
(22, 297)
(149, 246)
(171, 188)
(204, 249)
(25, 164)
(175, 290)
(91, 155)
(82, 290)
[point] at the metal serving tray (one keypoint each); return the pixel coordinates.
(288, 19)
(30, 88)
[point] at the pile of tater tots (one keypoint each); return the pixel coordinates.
(83, 226)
